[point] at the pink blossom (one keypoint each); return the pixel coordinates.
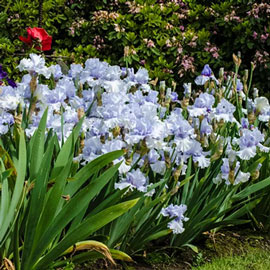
(212, 49)
(187, 65)
(264, 37)
(71, 31)
(261, 57)
(180, 49)
(150, 44)
(142, 62)
(255, 34)
(166, 70)
(168, 43)
(215, 55)
(192, 44)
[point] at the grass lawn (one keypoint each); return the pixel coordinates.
(254, 259)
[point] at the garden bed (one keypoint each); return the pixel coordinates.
(107, 164)
(226, 243)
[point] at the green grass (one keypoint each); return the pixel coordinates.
(254, 259)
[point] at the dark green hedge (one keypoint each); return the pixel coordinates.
(172, 39)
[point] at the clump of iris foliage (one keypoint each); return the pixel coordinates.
(97, 152)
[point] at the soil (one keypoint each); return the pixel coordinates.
(211, 245)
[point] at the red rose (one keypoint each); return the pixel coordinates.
(40, 35)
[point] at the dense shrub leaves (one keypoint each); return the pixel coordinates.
(172, 39)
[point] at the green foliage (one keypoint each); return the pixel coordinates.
(41, 213)
(173, 41)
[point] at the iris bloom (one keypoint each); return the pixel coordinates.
(205, 76)
(176, 211)
(249, 141)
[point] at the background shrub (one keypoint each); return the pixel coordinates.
(172, 39)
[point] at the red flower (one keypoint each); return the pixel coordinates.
(40, 35)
